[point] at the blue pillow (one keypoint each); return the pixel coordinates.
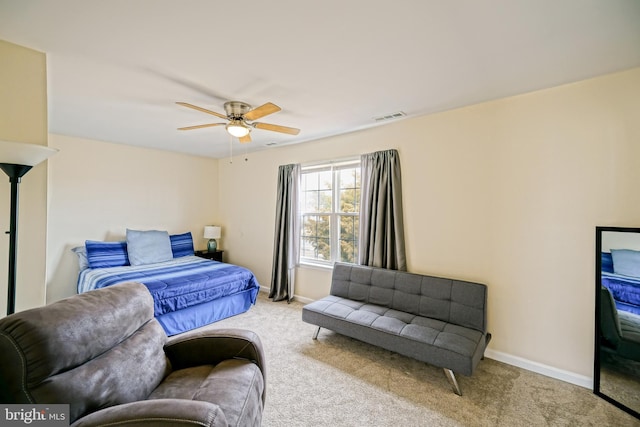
(626, 262)
(606, 262)
(181, 245)
(148, 247)
(83, 262)
(106, 254)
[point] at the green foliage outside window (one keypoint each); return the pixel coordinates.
(318, 200)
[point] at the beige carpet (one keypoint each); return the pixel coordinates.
(338, 381)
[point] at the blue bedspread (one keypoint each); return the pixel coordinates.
(177, 284)
(625, 291)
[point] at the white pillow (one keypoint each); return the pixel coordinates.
(83, 262)
(148, 247)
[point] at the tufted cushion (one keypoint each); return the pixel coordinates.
(454, 301)
(431, 340)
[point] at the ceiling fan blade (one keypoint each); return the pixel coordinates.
(201, 126)
(276, 128)
(262, 111)
(245, 139)
(204, 110)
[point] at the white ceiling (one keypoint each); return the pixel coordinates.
(116, 68)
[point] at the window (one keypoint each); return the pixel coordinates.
(330, 208)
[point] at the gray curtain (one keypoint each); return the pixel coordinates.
(286, 245)
(381, 239)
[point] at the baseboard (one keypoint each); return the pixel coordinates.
(539, 368)
(298, 298)
(302, 300)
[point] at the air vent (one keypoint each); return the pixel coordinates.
(269, 144)
(391, 116)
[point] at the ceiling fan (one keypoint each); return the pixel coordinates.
(241, 118)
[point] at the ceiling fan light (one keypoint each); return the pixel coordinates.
(237, 128)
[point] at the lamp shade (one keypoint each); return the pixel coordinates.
(16, 159)
(20, 153)
(212, 232)
(237, 128)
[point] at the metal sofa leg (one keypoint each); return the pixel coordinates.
(452, 380)
(486, 343)
(315, 335)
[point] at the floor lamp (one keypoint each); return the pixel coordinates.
(16, 159)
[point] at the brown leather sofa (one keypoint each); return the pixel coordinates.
(104, 354)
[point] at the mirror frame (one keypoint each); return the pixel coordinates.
(596, 353)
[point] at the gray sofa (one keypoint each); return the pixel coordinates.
(103, 353)
(439, 321)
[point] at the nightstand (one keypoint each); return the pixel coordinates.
(216, 256)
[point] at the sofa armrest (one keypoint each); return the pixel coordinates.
(212, 346)
(157, 413)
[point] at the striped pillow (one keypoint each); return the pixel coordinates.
(181, 245)
(106, 254)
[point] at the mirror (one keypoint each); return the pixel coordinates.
(616, 376)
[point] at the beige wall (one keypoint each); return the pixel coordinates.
(506, 192)
(99, 189)
(23, 118)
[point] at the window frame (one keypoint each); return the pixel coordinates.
(334, 214)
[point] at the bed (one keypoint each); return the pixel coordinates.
(625, 288)
(188, 291)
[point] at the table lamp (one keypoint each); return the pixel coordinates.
(212, 232)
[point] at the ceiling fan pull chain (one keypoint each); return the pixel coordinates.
(230, 150)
